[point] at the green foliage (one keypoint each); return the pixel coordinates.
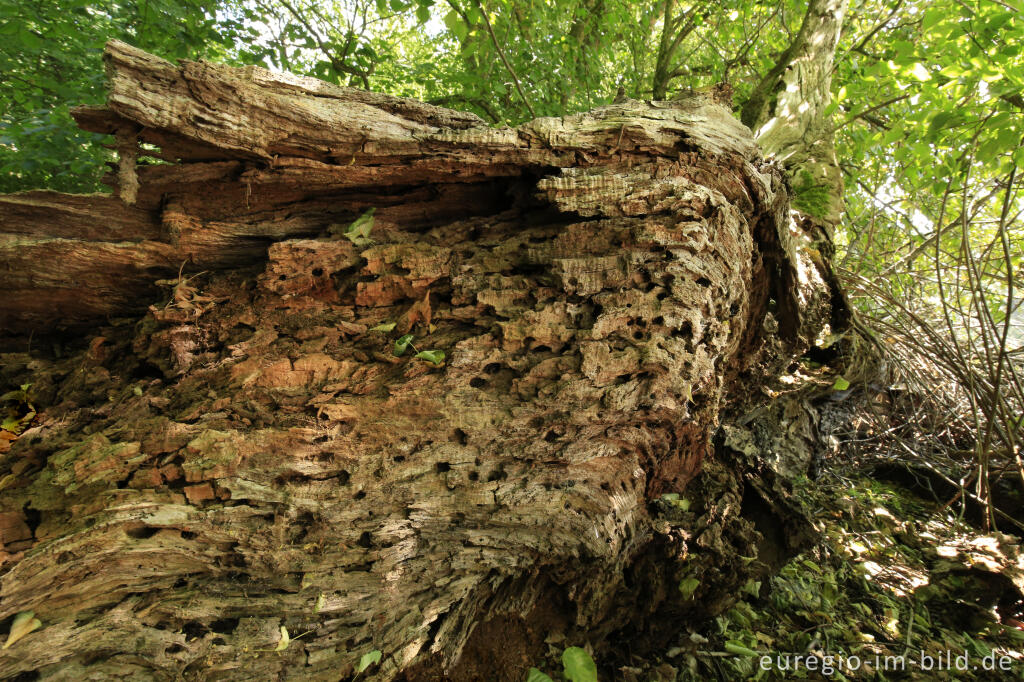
(734, 647)
(368, 659)
(676, 501)
(435, 357)
(50, 58)
(535, 675)
(578, 665)
(687, 586)
(403, 343)
(284, 641)
(17, 412)
(359, 231)
(23, 623)
(874, 585)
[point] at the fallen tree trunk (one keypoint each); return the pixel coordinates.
(253, 455)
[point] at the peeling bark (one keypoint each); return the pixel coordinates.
(251, 454)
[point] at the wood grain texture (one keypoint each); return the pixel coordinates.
(251, 454)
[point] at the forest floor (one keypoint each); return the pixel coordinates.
(898, 582)
(898, 588)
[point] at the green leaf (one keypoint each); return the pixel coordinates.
(368, 659)
(932, 17)
(989, 150)
(434, 356)
(841, 384)
(30, 40)
(12, 424)
(402, 344)
(535, 675)
(423, 14)
(904, 51)
(734, 647)
(687, 586)
(359, 231)
(386, 327)
(920, 72)
(1008, 138)
(578, 665)
(454, 23)
(284, 641)
(940, 121)
(24, 623)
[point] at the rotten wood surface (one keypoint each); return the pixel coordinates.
(274, 156)
(251, 454)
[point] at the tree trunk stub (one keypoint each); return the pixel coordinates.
(608, 288)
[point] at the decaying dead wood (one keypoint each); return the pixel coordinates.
(252, 454)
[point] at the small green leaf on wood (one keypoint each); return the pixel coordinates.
(285, 640)
(368, 659)
(24, 623)
(578, 665)
(734, 647)
(403, 343)
(687, 586)
(433, 356)
(386, 327)
(359, 231)
(841, 384)
(535, 675)
(21, 394)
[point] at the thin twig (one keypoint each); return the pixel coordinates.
(501, 53)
